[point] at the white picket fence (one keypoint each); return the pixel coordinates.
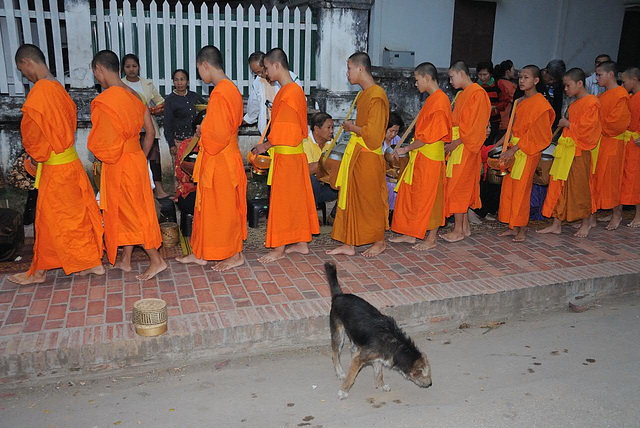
(164, 37)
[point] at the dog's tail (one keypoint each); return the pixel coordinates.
(332, 276)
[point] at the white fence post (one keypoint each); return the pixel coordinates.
(78, 17)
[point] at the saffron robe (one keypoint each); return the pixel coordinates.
(570, 200)
(292, 208)
(366, 214)
(615, 118)
(126, 197)
(420, 205)
(220, 213)
(630, 194)
(471, 113)
(532, 125)
(68, 223)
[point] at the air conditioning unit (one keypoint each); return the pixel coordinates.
(398, 59)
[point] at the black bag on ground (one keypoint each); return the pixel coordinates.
(11, 234)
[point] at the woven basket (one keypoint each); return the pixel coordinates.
(150, 317)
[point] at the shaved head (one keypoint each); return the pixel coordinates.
(32, 52)
(277, 55)
(607, 66)
(460, 66)
(107, 59)
(427, 69)
(212, 56)
(361, 59)
(632, 72)
(576, 75)
(533, 69)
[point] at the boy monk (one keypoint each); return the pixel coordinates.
(569, 193)
(363, 206)
(68, 222)
(219, 217)
(531, 135)
(126, 198)
(630, 194)
(292, 210)
(471, 113)
(615, 118)
(420, 202)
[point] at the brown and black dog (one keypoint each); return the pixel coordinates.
(375, 338)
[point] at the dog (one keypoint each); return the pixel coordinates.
(375, 338)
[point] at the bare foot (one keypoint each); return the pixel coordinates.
(96, 270)
(347, 250)
(615, 222)
(453, 236)
(605, 218)
(403, 239)
(508, 232)
(126, 267)
(152, 270)
(584, 229)
(555, 228)
(521, 236)
(300, 247)
(273, 255)
(425, 245)
(376, 249)
(191, 258)
(22, 278)
(230, 263)
(466, 226)
(634, 223)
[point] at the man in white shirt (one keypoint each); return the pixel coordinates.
(261, 91)
(591, 83)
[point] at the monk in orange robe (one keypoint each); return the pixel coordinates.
(68, 222)
(126, 198)
(292, 209)
(363, 209)
(615, 118)
(531, 135)
(420, 203)
(471, 113)
(221, 193)
(569, 193)
(630, 194)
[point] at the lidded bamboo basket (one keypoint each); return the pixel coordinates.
(150, 317)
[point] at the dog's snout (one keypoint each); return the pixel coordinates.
(429, 384)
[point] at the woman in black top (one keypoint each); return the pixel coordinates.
(179, 110)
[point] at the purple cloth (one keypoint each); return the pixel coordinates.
(392, 194)
(538, 193)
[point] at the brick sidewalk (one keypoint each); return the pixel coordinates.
(81, 313)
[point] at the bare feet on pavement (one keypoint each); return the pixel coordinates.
(300, 247)
(273, 255)
(152, 270)
(614, 223)
(374, 250)
(453, 236)
(230, 263)
(555, 228)
(191, 258)
(403, 239)
(425, 245)
(521, 236)
(347, 250)
(21, 278)
(123, 266)
(585, 227)
(96, 270)
(508, 232)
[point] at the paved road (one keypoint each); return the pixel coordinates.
(558, 369)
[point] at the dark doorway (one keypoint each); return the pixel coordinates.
(629, 50)
(473, 23)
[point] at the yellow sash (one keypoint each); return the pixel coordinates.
(563, 156)
(632, 135)
(343, 173)
(625, 136)
(594, 156)
(282, 150)
(68, 156)
(434, 151)
(520, 161)
(455, 158)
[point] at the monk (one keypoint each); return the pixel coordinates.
(292, 210)
(126, 198)
(219, 218)
(363, 207)
(420, 203)
(615, 118)
(471, 113)
(569, 193)
(531, 135)
(68, 223)
(630, 193)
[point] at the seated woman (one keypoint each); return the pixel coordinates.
(180, 111)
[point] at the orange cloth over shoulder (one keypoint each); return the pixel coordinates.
(570, 200)
(420, 205)
(68, 222)
(532, 125)
(219, 217)
(471, 114)
(126, 197)
(630, 194)
(615, 118)
(366, 215)
(292, 209)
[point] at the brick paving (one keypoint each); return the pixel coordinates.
(69, 312)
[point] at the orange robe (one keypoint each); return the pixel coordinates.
(292, 209)
(219, 217)
(615, 118)
(570, 200)
(366, 214)
(471, 113)
(532, 125)
(68, 222)
(420, 205)
(126, 197)
(630, 194)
